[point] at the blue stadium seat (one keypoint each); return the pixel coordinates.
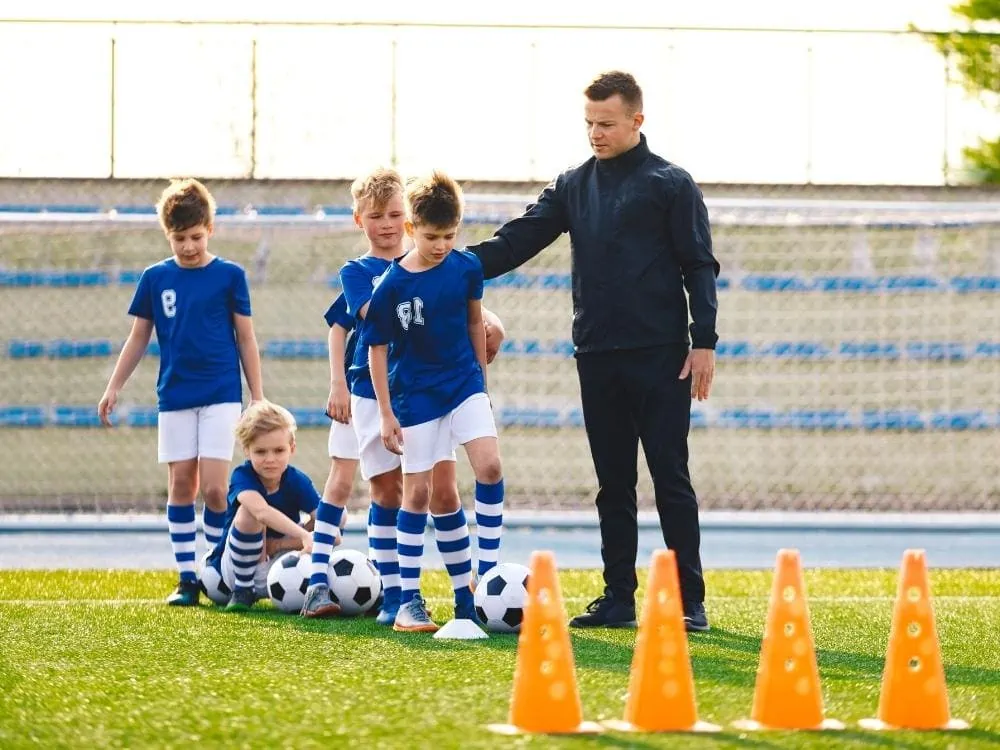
(937, 351)
(280, 210)
(775, 283)
(336, 210)
(66, 349)
(141, 416)
(295, 349)
(699, 420)
(22, 416)
(971, 284)
(912, 284)
(892, 419)
(846, 283)
(962, 420)
(55, 208)
(76, 416)
(563, 348)
(25, 349)
(129, 277)
(153, 350)
(136, 210)
(809, 350)
(310, 417)
(511, 416)
(988, 350)
(869, 350)
(737, 351)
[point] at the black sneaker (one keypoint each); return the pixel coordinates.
(605, 612)
(695, 619)
(185, 595)
(242, 600)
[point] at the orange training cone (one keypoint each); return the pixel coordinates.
(914, 693)
(787, 694)
(661, 685)
(545, 697)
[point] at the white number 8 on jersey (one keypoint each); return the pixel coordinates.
(169, 299)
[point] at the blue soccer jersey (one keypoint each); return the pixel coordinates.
(358, 278)
(296, 493)
(337, 314)
(424, 317)
(192, 310)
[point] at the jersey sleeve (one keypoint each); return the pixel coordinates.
(381, 315)
(240, 293)
(357, 286)
(337, 314)
(142, 300)
(241, 480)
(308, 497)
(474, 276)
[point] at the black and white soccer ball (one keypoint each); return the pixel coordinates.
(212, 583)
(500, 597)
(354, 581)
(288, 579)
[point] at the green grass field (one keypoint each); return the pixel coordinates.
(93, 659)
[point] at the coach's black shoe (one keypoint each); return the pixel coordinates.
(185, 595)
(606, 612)
(695, 619)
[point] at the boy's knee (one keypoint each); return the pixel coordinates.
(215, 496)
(183, 489)
(387, 490)
(445, 499)
(245, 522)
(490, 472)
(419, 497)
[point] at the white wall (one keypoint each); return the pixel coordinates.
(758, 106)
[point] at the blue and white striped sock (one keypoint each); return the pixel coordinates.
(183, 530)
(489, 524)
(245, 550)
(382, 549)
(325, 535)
(212, 522)
(410, 546)
(451, 531)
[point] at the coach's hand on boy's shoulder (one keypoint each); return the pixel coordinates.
(392, 434)
(107, 405)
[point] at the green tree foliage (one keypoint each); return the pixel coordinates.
(976, 53)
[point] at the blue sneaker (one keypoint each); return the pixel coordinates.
(465, 607)
(387, 612)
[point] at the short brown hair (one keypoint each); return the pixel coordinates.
(614, 82)
(435, 200)
(260, 418)
(184, 204)
(376, 189)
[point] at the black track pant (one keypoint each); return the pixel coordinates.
(631, 396)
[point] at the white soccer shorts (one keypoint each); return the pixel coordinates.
(375, 458)
(343, 442)
(428, 443)
(202, 432)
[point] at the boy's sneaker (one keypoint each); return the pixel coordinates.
(387, 612)
(318, 602)
(465, 608)
(695, 619)
(241, 600)
(185, 595)
(606, 612)
(412, 617)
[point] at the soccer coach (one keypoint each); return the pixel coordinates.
(640, 236)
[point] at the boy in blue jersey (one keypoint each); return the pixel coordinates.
(342, 447)
(428, 365)
(266, 498)
(379, 212)
(199, 305)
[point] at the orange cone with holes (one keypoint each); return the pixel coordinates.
(545, 699)
(914, 693)
(787, 694)
(661, 685)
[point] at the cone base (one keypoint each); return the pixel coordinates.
(878, 725)
(585, 727)
(617, 725)
(461, 630)
(749, 725)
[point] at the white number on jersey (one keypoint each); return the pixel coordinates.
(408, 312)
(169, 299)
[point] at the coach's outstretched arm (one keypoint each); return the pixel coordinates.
(521, 239)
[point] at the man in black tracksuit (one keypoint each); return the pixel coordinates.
(640, 235)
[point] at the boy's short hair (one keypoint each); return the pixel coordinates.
(260, 418)
(435, 200)
(614, 82)
(375, 189)
(184, 204)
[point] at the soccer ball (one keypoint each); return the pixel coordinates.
(212, 584)
(288, 579)
(500, 597)
(354, 582)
